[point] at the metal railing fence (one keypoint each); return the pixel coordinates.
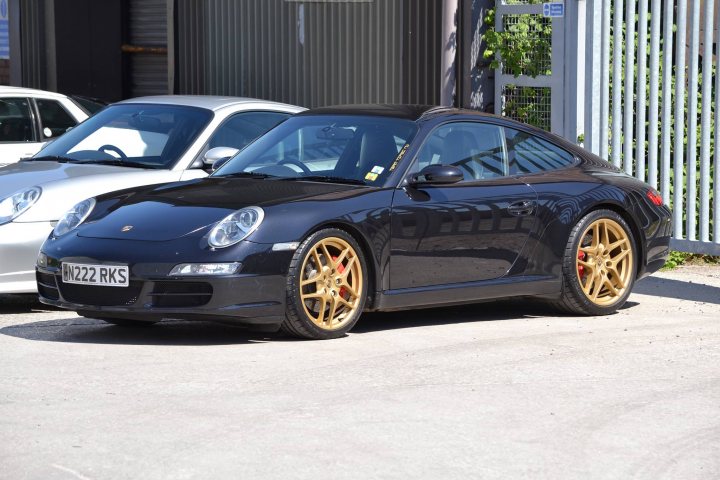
(658, 91)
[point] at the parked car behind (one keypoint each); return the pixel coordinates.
(128, 144)
(30, 118)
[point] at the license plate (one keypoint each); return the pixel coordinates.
(105, 275)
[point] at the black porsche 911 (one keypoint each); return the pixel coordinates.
(341, 210)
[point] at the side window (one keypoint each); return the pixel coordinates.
(242, 128)
(531, 154)
(478, 149)
(54, 118)
(15, 120)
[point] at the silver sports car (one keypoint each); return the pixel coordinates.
(136, 142)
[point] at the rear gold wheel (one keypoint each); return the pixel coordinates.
(604, 261)
(326, 286)
(599, 266)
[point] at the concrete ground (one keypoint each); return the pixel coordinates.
(501, 390)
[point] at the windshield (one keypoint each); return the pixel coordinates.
(141, 135)
(359, 149)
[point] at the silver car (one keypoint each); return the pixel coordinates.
(131, 143)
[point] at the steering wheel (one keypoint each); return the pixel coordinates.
(113, 148)
(298, 164)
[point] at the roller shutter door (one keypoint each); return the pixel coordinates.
(147, 48)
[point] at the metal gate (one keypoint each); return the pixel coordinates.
(520, 96)
(659, 96)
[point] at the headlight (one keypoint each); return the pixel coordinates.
(74, 217)
(14, 205)
(236, 227)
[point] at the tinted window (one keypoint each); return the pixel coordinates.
(241, 129)
(54, 118)
(149, 134)
(349, 146)
(477, 149)
(15, 120)
(530, 154)
(89, 105)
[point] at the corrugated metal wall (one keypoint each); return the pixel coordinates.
(32, 39)
(310, 53)
(147, 27)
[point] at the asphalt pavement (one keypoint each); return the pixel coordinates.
(496, 390)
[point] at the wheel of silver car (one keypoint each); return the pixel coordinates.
(599, 267)
(326, 287)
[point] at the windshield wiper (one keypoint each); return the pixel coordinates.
(247, 175)
(50, 158)
(117, 163)
(328, 179)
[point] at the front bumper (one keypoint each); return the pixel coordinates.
(254, 296)
(246, 299)
(19, 247)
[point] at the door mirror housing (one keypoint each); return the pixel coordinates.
(215, 157)
(436, 175)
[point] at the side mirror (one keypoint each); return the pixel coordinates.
(213, 156)
(437, 175)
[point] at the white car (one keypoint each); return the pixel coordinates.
(30, 118)
(131, 143)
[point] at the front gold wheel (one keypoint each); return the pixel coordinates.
(327, 286)
(604, 262)
(332, 283)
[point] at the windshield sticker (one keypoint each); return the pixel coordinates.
(377, 169)
(399, 157)
(371, 176)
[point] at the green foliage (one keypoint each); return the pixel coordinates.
(675, 259)
(523, 47)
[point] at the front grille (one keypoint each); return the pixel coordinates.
(181, 294)
(47, 286)
(101, 296)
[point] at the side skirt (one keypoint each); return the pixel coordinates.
(460, 293)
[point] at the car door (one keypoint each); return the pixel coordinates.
(467, 231)
(18, 135)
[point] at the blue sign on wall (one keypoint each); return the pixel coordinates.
(4, 30)
(553, 9)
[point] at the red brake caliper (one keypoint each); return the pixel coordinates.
(340, 269)
(581, 268)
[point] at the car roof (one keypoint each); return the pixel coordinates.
(407, 112)
(211, 102)
(7, 90)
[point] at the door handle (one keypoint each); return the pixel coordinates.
(521, 208)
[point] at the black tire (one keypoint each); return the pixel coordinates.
(298, 320)
(573, 298)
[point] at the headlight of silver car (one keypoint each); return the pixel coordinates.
(13, 206)
(74, 217)
(235, 227)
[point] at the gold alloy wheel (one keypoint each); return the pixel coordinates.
(604, 262)
(332, 283)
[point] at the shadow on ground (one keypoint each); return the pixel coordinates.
(23, 303)
(178, 332)
(175, 332)
(669, 288)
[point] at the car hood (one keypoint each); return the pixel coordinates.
(166, 212)
(65, 184)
